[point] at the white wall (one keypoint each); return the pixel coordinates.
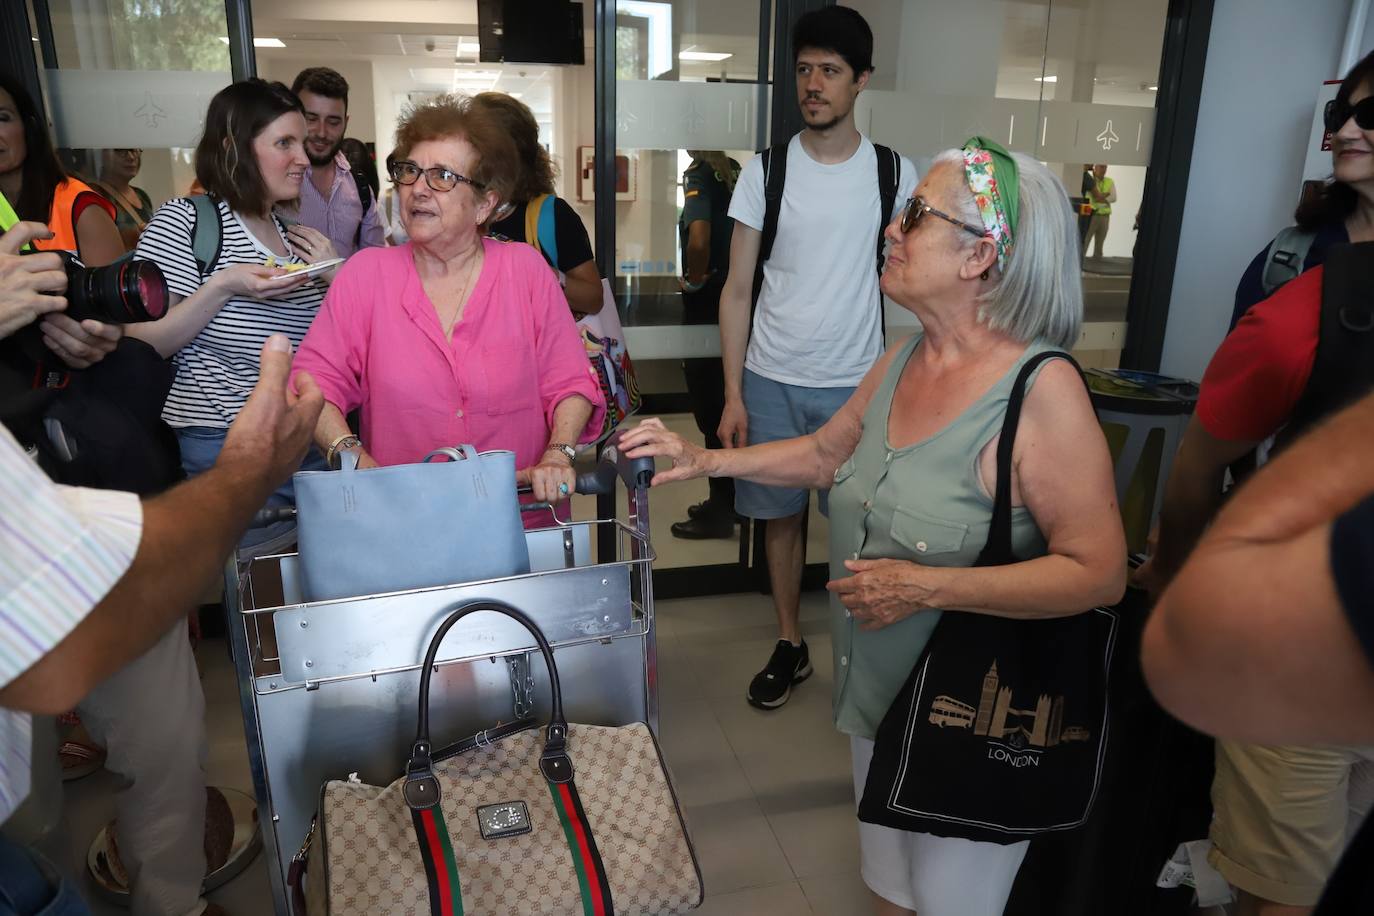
(1265, 62)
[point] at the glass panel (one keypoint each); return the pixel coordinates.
(1071, 84)
(1101, 71)
(134, 75)
(686, 79)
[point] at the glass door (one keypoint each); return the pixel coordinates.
(691, 108)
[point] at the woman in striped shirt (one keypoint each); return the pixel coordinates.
(250, 159)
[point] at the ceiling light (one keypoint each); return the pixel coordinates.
(516, 95)
(1047, 79)
(261, 42)
(703, 55)
(1152, 88)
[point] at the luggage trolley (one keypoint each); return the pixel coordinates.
(328, 688)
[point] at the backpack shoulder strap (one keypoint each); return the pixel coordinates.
(364, 198)
(207, 234)
(532, 207)
(1284, 258)
(547, 230)
(889, 180)
(774, 179)
(1343, 368)
(997, 551)
(364, 188)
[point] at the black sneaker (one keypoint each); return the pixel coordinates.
(789, 665)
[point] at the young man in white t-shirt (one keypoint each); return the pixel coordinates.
(818, 324)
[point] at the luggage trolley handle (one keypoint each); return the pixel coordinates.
(635, 472)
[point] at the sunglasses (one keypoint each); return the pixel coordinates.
(438, 177)
(916, 208)
(1338, 112)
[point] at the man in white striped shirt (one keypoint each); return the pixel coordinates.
(91, 579)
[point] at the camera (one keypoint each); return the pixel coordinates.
(124, 292)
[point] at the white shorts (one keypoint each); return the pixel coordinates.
(935, 876)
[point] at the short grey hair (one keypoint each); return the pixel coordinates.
(1040, 295)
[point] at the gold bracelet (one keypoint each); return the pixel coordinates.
(334, 447)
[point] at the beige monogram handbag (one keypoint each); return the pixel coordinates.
(564, 820)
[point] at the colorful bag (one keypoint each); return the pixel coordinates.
(602, 334)
(553, 821)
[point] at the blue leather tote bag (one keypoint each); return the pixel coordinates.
(389, 529)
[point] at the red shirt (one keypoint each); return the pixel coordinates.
(1257, 375)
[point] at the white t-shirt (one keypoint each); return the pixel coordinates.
(819, 317)
(217, 370)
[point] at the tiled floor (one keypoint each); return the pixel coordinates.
(768, 796)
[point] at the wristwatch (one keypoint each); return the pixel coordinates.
(565, 448)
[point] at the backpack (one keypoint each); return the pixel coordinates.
(1284, 258)
(1343, 367)
(774, 178)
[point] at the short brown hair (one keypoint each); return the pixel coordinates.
(225, 165)
(446, 117)
(536, 168)
(322, 81)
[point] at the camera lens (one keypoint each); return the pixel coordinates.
(124, 292)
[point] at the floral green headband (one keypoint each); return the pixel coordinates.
(995, 183)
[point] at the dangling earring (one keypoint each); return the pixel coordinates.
(984, 275)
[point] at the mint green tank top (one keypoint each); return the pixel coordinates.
(924, 503)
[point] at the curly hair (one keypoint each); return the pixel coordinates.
(447, 117)
(225, 165)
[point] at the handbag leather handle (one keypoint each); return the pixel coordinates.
(422, 789)
(452, 452)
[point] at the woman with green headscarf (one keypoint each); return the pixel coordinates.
(985, 254)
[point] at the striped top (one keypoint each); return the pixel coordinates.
(216, 371)
(61, 550)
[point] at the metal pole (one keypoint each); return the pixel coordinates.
(604, 168)
(243, 61)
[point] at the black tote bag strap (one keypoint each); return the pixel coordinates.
(997, 550)
(421, 788)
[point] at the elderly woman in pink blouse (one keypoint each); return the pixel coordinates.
(453, 337)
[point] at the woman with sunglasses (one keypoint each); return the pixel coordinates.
(986, 256)
(453, 338)
(1340, 210)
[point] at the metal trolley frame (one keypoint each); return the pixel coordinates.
(329, 689)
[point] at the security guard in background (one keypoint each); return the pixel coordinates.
(704, 229)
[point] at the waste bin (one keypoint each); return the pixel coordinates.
(1143, 415)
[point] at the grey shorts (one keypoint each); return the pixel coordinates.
(780, 411)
